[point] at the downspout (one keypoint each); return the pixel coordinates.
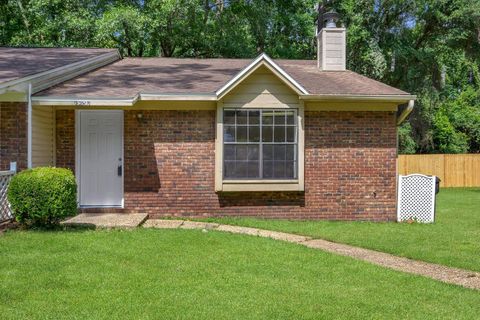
(406, 112)
(29, 127)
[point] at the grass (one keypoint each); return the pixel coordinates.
(453, 240)
(190, 274)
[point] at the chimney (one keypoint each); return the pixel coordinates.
(331, 42)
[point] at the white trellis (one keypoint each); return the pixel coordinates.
(416, 198)
(5, 212)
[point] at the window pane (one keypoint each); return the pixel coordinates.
(242, 134)
(253, 152)
(279, 152)
(267, 134)
(241, 170)
(229, 152)
(253, 169)
(253, 117)
(229, 134)
(279, 118)
(229, 117)
(290, 152)
(254, 134)
(267, 169)
(290, 134)
(229, 169)
(241, 117)
(290, 170)
(290, 117)
(279, 169)
(242, 152)
(267, 152)
(244, 137)
(279, 135)
(267, 117)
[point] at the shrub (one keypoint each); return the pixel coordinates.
(43, 196)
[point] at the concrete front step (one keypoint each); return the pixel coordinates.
(107, 220)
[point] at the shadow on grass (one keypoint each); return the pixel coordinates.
(15, 226)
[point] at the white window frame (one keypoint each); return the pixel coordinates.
(251, 185)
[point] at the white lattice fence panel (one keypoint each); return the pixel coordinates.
(416, 198)
(5, 212)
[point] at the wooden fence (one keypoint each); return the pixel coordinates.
(455, 170)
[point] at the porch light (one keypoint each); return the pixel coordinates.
(140, 118)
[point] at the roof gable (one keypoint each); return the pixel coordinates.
(261, 88)
(261, 61)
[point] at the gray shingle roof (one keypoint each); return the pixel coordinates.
(16, 63)
(127, 77)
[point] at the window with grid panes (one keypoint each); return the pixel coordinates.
(260, 144)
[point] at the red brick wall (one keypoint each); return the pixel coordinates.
(13, 135)
(65, 139)
(350, 164)
(170, 162)
(350, 167)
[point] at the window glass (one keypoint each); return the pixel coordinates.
(260, 144)
(241, 134)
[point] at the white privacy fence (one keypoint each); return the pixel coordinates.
(416, 198)
(5, 212)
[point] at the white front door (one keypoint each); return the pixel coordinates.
(101, 158)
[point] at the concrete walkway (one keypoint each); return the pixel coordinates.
(107, 220)
(465, 278)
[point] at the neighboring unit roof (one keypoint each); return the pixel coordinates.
(16, 63)
(128, 77)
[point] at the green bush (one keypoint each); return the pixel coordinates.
(43, 196)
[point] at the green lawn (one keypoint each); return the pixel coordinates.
(190, 274)
(453, 240)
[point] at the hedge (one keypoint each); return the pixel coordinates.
(43, 196)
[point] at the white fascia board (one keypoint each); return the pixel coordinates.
(178, 97)
(46, 79)
(120, 102)
(357, 97)
(262, 59)
(84, 102)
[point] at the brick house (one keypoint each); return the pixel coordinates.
(206, 137)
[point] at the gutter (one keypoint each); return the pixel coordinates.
(126, 101)
(49, 78)
(101, 102)
(406, 112)
(178, 97)
(401, 98)
(119, 102)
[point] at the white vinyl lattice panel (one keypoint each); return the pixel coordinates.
(416, 198)
(5, 212)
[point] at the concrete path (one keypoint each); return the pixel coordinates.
(107, 220)
(465, 278)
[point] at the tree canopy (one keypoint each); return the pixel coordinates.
(430, 48)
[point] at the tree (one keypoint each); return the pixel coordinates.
(430, 48)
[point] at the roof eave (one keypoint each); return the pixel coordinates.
(401, 98)
(43, 80)
(178, 97)
(119, 102)
(85, 102)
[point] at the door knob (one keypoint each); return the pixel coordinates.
(119, 170)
